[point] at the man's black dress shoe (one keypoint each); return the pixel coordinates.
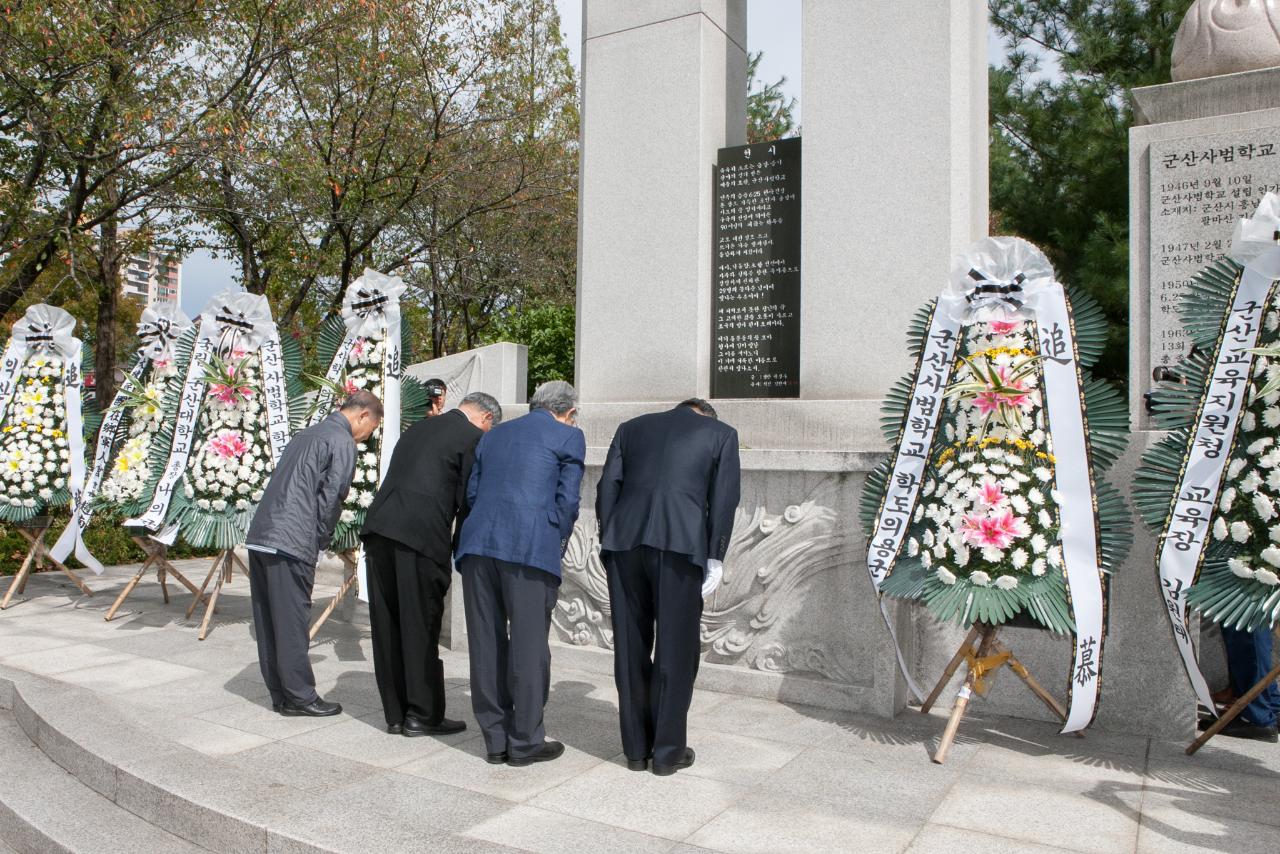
(278, 708)
(668, 770)
(549, 750)
(394, 729)
(1240, 728)
(496, 758)
(414, 727)
(317, 708)
(637, 764)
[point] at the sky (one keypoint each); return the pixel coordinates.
(773, 26)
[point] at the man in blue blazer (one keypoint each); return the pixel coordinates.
(523, 495)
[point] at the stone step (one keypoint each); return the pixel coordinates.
(197, 798)
(44, 808)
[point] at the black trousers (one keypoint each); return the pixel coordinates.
(508, 619)
(281, 590)
(406, 605)
(656, 599)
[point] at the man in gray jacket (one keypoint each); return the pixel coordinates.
(293, 523)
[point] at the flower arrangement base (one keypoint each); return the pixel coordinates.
(223, 567)
(983, 655)
(350, 581)
(156, 557)
(1236, 708)
(34, 531)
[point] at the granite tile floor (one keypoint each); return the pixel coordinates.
(770, 777)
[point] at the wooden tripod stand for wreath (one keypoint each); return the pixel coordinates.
(350, 583)
(1236, 708)
(223, 567)
(983, 655)
(37, 554)
(157, 556)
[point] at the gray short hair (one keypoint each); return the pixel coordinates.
(485, 402)
(556, 396)
(362, 399)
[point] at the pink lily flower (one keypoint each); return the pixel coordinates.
(1004, 327)
(228, 444)
(990, 494)
(994, 530)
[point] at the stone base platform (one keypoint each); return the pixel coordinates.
(133, 736)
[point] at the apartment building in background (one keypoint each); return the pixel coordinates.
(151, 277)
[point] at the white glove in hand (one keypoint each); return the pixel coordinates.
(711, 577)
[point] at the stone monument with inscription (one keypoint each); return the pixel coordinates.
(780, 290)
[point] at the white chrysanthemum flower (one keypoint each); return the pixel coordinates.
(1019, 558)
(1054, 556)
(926, 538)
(926, 560)
(1045, 520)
(992, 555)
(1273, 480)
(1271, 417)
(1240, 532)
(1263, 507)
(1220, 528)
(1228, 499)
(940, 550)
(365, 498)
(1250, 482)
(1006, 582)
(1020, 504)
(1239, 567)
(980, 468)
(980, 578)
(1271, 555)
(913, 547)
(1261, 444)
(1248, 422)
(962, 556)
(1266, 576)
(918, 514)
(347, 517)
(202, 503)
(1038, 544)
(945, 575)
(1035, 496)
(992, 453)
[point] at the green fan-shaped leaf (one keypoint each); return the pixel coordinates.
(1090, 325)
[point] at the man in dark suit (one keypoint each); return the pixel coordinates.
(665, 506)
(408, 538)
(524, 500)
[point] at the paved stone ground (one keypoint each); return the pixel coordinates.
(770, 777)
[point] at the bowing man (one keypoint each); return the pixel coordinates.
(524, 500)
(408, 534)
(665, 505)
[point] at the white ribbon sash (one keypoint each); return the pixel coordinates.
(51, 330)
(233, 321)
(902, 489)
(1186, 531)
(1078, 519)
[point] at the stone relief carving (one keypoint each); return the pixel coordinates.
(771, 565)
(1227, 36)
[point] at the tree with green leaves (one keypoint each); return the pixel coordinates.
(1060, 117)
(769, 110)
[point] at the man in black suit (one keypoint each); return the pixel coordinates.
(665, 506)
(409, 533)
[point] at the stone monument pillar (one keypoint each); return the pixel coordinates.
(663, 88)
(893, 183)
(895, 178)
